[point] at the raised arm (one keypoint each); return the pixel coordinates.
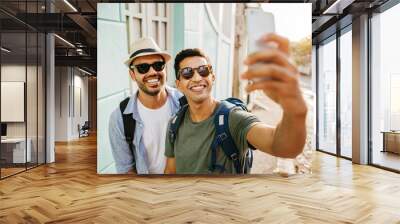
(278, 79)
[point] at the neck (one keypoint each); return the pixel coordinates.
(201, 111)
(153, 102)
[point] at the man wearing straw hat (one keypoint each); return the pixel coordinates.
(137, 128)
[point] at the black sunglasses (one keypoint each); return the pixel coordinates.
(188, 72)
(144, 68)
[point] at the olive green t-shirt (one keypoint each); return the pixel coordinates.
(192, 146)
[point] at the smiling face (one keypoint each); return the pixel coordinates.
(196, 89)
(151, 82)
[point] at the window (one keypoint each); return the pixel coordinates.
(327, 96)
(346, 93)
(385, 89)
(22, 76)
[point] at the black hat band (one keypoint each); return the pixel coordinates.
(146, 50)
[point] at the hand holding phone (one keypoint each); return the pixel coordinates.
(259, 23)
(278, 77)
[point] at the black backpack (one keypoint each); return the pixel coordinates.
(129, 127)
(222, 136)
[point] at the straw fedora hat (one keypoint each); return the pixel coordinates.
(143, 47)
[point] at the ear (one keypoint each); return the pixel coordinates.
(132, 74)
(212, 77)
(177, 82)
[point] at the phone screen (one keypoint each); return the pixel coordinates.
(258, 24)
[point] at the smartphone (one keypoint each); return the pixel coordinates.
(258, 24)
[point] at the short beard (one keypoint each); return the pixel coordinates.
(146, 91)
(198, 99)
(143, 87)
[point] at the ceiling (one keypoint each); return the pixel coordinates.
(76, 23)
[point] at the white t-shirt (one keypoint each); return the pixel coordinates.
(155, 123)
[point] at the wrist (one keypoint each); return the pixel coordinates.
(298, 113)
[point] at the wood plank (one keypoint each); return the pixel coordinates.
(70, 191)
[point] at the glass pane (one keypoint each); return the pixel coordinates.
(346, 94)
(32, 7)
(11, 25)
(13, 87)
(385, 89)
(41, 150)
(16, 6)
(42, 6)
(22, 91)
(327, 97)
(31, 98)
(394, 101)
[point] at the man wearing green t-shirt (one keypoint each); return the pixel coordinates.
(190, 152)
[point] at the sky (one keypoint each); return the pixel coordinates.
(292, 20)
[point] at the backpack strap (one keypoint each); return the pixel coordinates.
(224, 138)
(243, 106)
(129, 126)
(176, 122)
(177, 119)
(183, 101)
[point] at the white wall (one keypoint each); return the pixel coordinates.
(13, 100)
(67, 114)
(113, 77)
(79, 103)
(61, 103)
(15, 72)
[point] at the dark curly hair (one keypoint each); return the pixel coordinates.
(190, 52)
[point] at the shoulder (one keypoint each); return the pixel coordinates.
(241, 118)
(115, 119)
(179, 117)
(236, 113)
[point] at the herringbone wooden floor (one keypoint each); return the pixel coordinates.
(70, 191)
